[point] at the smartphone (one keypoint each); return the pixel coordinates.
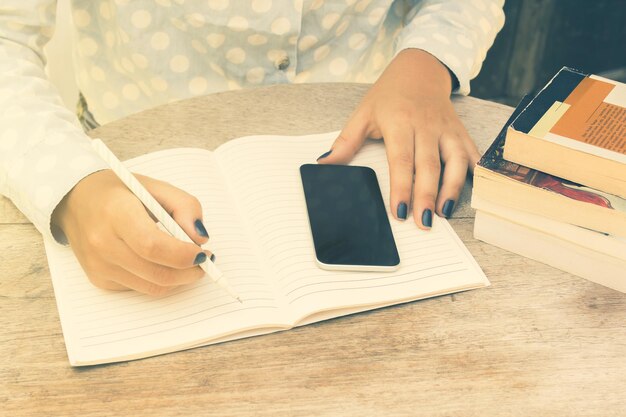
(348, 218)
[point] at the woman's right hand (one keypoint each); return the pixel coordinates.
(118, 243)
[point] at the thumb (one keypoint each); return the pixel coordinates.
(347, 143)
(182, 206)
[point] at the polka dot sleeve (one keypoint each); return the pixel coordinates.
(43, 150)
(457, 32)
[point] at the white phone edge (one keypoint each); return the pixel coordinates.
(358, 268)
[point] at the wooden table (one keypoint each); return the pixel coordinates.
(537, 342)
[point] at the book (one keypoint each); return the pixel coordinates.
(522, 188)
(574, 128)
(548, 219)
(254, 210)
(585, 253)
(599, 242)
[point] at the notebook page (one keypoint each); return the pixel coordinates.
(264, 174)
(104, 326)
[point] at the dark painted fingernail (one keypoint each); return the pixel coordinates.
(324, 155)
(427, 218)
(200, 258)
(448, 206)
(200, 228)
(213, 257)
(402, 211)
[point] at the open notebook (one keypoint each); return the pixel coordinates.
(255, 213)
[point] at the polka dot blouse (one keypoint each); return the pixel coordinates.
(130, 55)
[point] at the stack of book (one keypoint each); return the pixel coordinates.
(552, 186)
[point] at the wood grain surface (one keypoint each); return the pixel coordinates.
(537, 342)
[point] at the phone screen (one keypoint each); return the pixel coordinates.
(348, 219)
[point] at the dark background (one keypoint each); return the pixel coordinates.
(541, 36)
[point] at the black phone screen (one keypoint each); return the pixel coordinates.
(348, 219)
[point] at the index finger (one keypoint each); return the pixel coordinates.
(183, 207)
(145, 238)
(347, 143)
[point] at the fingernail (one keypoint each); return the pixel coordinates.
(448, 206)
(402, 211)
(200, 258)
(427, 218)
(324, 155)
(213, 257)
(200, 228)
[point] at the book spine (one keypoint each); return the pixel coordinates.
(559, 87)
(493, 152)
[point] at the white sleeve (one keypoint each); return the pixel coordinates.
(43, 150)
(457, 32)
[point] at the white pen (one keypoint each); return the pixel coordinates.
(157, 210)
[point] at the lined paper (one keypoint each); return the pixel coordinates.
(103, 326)
(271, 197)
(254, 210)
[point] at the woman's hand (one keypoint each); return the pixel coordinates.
(409, 106)
(119, 245)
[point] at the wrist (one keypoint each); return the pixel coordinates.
(59, 214)
(427, 70)
(65, 209)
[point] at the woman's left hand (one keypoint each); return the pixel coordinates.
(410, 107)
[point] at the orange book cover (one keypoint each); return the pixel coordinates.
(582, 112)
(593, 120)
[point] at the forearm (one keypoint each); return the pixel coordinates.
(44, 152)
